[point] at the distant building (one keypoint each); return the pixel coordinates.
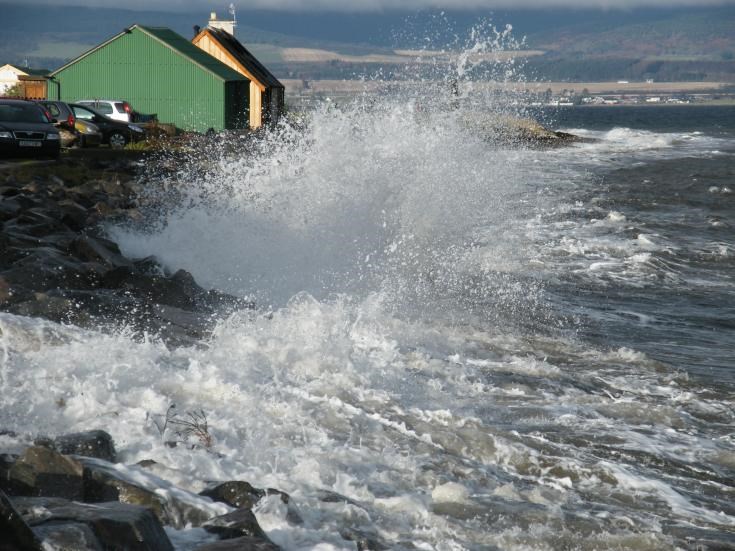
(33, 81)
(266, 92)
(158, 71)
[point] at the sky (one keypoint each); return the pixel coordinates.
(381, 5)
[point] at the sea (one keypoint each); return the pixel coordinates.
(459, 342)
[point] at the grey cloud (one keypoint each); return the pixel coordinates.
(383, 5)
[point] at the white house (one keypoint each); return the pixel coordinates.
(10, 75)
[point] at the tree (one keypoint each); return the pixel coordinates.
(15, 91)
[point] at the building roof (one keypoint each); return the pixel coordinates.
(241, 54)
(27, 70)
(178, 44)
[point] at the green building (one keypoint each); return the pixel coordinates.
(158, 71)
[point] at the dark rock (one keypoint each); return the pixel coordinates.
(365, 540)
(6, 291)
(241, 522)
(9, 208)
(59, 240)
(36, 509)
(40, 471)
(327, 496)
(74, 215)
(117, 526)
(67, 536)
(239, 544)
(158, 289)
(87, 248)
(235, 493)
(93, 443)
(41, 305)
(148, 266)
(46, 268)
(243, 495)
(101, 304)
(36, 222)
(25, 201)
(16, 534)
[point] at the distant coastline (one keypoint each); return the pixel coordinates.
(543, 94)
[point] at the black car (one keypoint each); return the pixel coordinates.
(26, 130)
(115, 133)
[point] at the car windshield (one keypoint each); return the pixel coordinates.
(85, 113)
(19, 112)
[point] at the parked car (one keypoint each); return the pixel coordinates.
(87, 134)
(115, 109)
(115, 133)
(26, 130)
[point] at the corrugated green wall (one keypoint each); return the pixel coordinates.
(153, 79)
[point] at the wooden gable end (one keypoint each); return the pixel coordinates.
(205, 41)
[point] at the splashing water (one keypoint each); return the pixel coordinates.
(405, 355)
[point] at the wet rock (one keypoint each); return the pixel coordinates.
(239, 544)
(67, 536)
(93, 443)
(41, 305)
(6, 291)
(365, 540)
(235, 493)
(46, 268)
(243, 495)
(9, 209)
(56, 263)
(102, 483)
(327, 496)
(87, 248)
(73, 214)
(16, 534)
(117, 526)
(41, 471)
(236, 524)
(175, 291)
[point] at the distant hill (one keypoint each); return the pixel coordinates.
(576, 45)
(708, 34)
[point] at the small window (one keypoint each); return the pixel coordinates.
(120, 107)
(104, 108)
(54, 110)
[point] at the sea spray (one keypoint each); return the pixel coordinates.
(408, 378)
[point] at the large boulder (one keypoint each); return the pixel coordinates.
(241, 522)
(67, 536)
(235, 493)
(104, 482)
(243, 495)
(16, 534)
(93, 443)
(41, 471)
(117, 526)
(90, 249)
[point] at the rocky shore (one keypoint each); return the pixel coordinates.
(56, 262)
(70, 493)
(74, 492)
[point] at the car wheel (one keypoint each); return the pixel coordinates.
(118, 140)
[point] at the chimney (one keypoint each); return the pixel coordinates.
(197, 30)
(228, 26)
